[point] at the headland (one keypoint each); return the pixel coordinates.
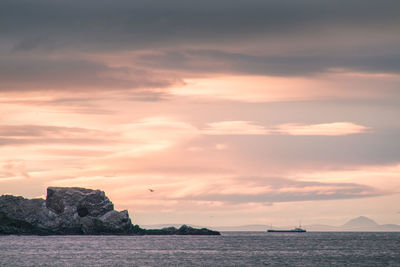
(75, 211)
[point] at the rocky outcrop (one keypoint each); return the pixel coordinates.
(183, 230)
(65, 211)
(76, 211)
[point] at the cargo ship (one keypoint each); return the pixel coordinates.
(295, 230)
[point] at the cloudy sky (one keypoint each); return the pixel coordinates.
(234, 112)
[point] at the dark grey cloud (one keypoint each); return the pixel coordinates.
(300, 37)
(41, 130)
(113, 23)
(221, 61)
(299, 191)
(48, 73)
(83, 105)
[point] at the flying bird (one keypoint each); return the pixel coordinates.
(151, 190)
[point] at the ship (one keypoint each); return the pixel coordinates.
(295, 230)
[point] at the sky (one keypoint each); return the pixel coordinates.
(233, 112)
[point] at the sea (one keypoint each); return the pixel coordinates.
(229, 249)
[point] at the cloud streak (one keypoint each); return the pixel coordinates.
(45, 135)
(60, 73)
(250, 128)
(300, 64)
(270, 190)
(327, 129)
(13, 170)
(235, 128)
(163, 132)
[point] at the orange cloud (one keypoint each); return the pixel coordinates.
(249, 88)
(258, 89)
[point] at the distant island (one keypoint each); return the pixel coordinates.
(358, 224)
(75, 211)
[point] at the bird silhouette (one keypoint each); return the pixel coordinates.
(151, 190)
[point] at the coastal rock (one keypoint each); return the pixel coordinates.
(22, 216)
(74, 211)
(65, 211)
(183, 230)
(85, 202)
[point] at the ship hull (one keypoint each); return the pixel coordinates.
(286, 231)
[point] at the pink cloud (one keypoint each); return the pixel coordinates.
(13, 170)
(329, 129)
(258, 89)
(235, 128)
(383, 177)
(250, 128)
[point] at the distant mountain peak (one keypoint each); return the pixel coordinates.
(360, 222)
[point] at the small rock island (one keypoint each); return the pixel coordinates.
(74, 211)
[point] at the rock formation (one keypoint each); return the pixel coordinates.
(65, 211)
(73, 211)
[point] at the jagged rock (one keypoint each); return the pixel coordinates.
(65, 211)
(85, 202)
(73, 210)
(22, 216)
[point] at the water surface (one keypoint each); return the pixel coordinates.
(230, 249)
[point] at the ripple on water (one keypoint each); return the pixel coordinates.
(230, 249)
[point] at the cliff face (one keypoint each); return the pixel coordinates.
(65, 211)
(74, 211)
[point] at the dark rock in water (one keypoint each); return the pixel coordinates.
(183, 230)
(74, 211)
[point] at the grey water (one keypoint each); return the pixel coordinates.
(229, 249)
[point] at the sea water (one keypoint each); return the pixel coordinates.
(229, 249)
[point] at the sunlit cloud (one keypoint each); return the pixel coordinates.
(235, 128)
(221, 146)
(328, 129)
(259, 89)
(155, 134)
(250, 128)
(249, 88)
